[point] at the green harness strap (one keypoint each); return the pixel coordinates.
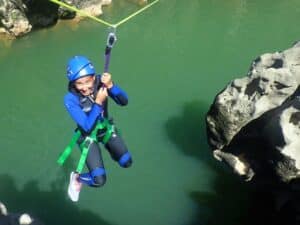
(65, 154)
(84, 146)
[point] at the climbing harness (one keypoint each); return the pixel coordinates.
(104, 125)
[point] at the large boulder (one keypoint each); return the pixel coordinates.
(13, 17)
(254, 122)
(18, 17)
(253, 126)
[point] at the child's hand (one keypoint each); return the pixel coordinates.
(106, 80)
(101, 95)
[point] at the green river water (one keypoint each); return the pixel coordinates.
(172, 60)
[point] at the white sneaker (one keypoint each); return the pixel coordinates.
(74, 187)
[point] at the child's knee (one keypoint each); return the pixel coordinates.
(99, 177)
(125, 160)
(99, 181)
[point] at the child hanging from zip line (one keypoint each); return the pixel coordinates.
(86, 102)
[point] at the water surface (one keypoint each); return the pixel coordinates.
(172, 60)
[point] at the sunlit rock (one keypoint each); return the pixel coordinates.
(13, 17)
(3, 210)
(90, 7)
(19, 17)
(254, 123)
(16, 218)
(25, 219)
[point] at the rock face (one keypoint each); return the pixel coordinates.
(253, 126)
(261, 109)
(92, 7)
(16, 218)
(18, 17)
(13, 17)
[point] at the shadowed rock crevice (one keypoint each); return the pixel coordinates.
(41, 13)
(278, 63)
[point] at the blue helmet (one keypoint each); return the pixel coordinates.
(79, 66)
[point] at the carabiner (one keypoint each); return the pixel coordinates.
(111, 38)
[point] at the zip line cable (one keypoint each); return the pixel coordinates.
(102, 21)
(136, 13)
(81, 12)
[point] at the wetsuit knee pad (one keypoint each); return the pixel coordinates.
(99, 181)
(99, 176)
(96, 178)
(125, 160)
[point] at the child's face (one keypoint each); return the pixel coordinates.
(85, 85)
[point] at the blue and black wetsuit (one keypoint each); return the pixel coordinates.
(86, 113)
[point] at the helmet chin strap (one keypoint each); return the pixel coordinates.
(91, 98)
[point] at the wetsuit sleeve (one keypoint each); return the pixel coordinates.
(85, 120)
(118, 95)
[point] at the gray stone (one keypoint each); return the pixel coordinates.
(13, 17)
(254, 123)
(16, 218)
(19, 17)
